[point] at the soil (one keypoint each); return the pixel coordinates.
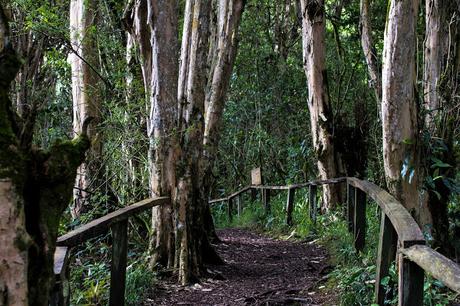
(259, 271)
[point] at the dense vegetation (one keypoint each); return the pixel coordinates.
(265, 122)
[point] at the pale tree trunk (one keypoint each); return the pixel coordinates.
(440, 51)
(190, 232)
(222, 54)
(162, 123)
(85, 94)
(153, 24)
(35, 188)
(399, 108)
(175, 127)
(441, 83)
(132, 180)
(314, 52)
(370, 54)
(184, 61)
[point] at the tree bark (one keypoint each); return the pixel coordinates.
(314, 52)
(85, 94)
(441, 79)
(399, 108)
(177, 122)
(154, 27)
(35, 187)
(222, 54)
(162, 123)
(370, 54)
(194, 241)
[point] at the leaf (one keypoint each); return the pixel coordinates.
(438, 195)
(385, 281)
(441, 165)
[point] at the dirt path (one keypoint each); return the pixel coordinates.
(258, 271)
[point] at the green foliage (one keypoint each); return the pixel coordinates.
(90, 273)
(139, 281)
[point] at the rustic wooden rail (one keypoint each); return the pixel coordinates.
(117, 221)
(400, 237)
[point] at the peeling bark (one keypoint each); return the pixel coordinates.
(399, 108)
(441, 79)
(370, 54)
(154, 27)
(85, 91)
(222, 54)
(314, 52)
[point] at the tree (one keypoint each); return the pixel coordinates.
(399, 108)
(177, 121)
(314, 52)
(35, 188)
(85, 94)
(370, 54)
(222, 54)
(441, 78)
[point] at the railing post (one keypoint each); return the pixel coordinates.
(266, 199)
(350, 207)
(230, 209)
(119, 257)
(386, 254)
(312, 189)
(411, 278)
(290, 205)
(240, 203)
(253, 194)
(60, 294)
(359, 233)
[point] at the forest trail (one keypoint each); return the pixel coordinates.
(259, 271)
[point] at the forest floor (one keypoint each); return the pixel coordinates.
(259, 271)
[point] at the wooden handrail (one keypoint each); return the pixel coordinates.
(117, 222)
(102, 224)
(436, 264)
(406, 227)
(398, 229)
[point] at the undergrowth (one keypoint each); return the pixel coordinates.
(90, 266)
(353, 275)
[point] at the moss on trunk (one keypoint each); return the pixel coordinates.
(43, 181)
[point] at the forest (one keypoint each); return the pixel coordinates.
(230, 152)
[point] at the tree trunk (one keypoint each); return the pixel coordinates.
(399, 108)
(314, 52)
(162, 123)
(370, 54)
(35, 188)
(154, 27)
(441, 79)
(222, 54)
(177, 122)
(194, 243)
(85, 94)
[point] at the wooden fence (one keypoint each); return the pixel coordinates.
(117, 221)
(400, 237)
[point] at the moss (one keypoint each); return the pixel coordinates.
(49, 190)
(11, 159)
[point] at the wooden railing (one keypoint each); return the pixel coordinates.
(117, 221)
(400, 237)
